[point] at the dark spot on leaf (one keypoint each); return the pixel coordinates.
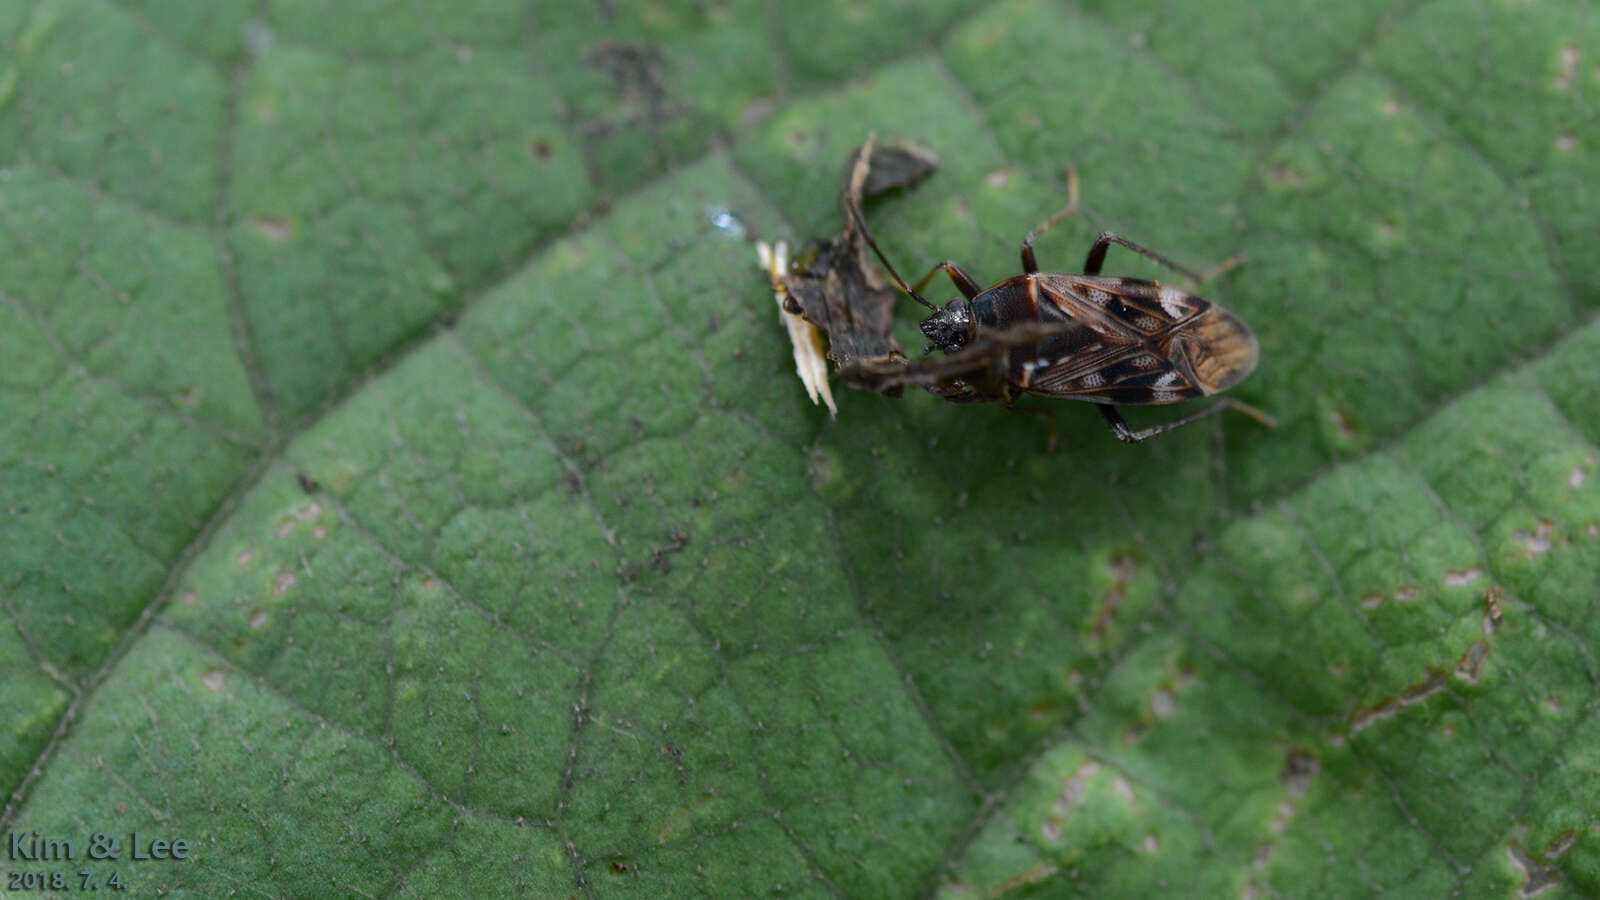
(1344, 422)
(619, 866)
(636, 70)
(661, 558)
(1123, 569)
(540, 148)
(1298, 770)
(306, 482)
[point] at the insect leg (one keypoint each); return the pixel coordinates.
(963, 281)
(1129, 436)
(1029, 264)
(1097, 255)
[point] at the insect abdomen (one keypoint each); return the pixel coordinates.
(1220, 349)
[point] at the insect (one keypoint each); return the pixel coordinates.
(1108, 340)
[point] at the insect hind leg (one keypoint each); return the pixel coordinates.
(1120, 428)
(1097, 255)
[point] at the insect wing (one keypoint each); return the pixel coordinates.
(1132, 362)
(1136, 307)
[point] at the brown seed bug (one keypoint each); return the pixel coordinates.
(1108, 340)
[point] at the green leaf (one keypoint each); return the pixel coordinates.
(405, 488)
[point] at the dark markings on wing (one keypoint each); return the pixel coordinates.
(1130, 375)
(1137, 307)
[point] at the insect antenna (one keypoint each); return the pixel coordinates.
(859, 220)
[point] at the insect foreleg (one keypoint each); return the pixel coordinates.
(963, 281)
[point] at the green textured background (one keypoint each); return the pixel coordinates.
(590, 601)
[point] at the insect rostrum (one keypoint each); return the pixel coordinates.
(1108, 340)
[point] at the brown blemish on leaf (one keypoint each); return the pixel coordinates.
(258, 619)
(820, 466)
(282, 583)
(757, 110)
(1566, 141)
(661, 558)
(636, 70)
(1560, 844)
(1343, 423)
(1569, 69)
(1537, 877)
(1462, 578)
(1492, 609)
(1577, 477)
(1470, 666)
(1417, 693)
(998, 179)
(1365, 718)
(213, 679)
(1536, 542)
(272, 228)
(244, 557)
(190, 598)
(1031, 876)
(1283, 174)
(1162, 704)
(540, 149)
(1123, 570)
(1071, 791)
(1300, 768)
(1391, 107)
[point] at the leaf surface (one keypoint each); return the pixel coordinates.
(406, 489)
